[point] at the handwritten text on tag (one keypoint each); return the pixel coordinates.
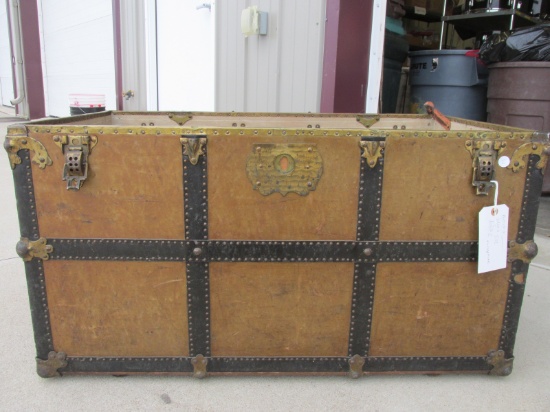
(493, 238)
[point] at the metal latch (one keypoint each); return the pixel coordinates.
(484, 154)
(76, 150)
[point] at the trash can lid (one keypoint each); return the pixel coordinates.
(439, 53)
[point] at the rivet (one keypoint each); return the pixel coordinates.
(197, 251)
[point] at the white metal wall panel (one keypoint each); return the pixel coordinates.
(133, 35)
(6, 76)
(185, 52)
(279, 72)
(230, 56)
(78, 52)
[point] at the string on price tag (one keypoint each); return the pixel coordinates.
(493, 236)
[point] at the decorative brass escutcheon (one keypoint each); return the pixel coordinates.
(501, 365)
(76, 150)
(356, 364)
(518, 158)
(17, 140)
(49, 368)
(284, 168)
(27, 249)
(199, 363)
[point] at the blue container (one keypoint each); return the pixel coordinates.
(455, 82)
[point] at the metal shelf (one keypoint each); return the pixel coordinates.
(485, 22)
(429, 17)
(491, 20)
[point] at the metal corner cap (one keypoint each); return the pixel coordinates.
(17, 130)
(501, 366)
(48, 368)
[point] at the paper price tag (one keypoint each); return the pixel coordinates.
(493, 238)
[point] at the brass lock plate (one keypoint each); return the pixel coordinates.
(76, 150)
(485, 156)
(284, 168)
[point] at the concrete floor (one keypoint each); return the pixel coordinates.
(526, 389)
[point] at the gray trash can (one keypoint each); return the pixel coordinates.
(454, 80)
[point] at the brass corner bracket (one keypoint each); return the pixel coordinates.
(49, 368)
(501, 365)
(193, 148)
(518, 158)
(16, 140)
(27, 249)
(180, 119)
(522, 251)
(199, 363)
(368, 121)
(356, 364)
(372, 151)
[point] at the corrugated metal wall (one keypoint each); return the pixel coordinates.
(6, 80)
(78, 52)
(185, 52)
(279, 72)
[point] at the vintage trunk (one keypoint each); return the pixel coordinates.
(271, 243)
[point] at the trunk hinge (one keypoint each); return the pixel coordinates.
(76, 150)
